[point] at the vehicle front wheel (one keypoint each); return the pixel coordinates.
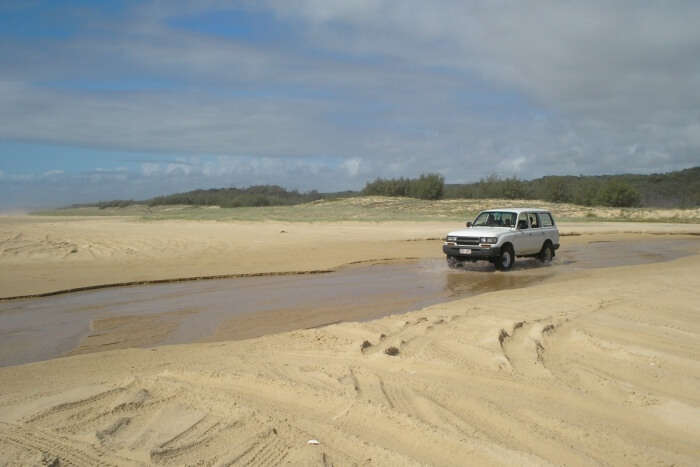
(546, 254)
(452, 262)
(506, 260)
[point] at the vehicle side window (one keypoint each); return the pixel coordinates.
(508, 219)
(546, 219)
(522, 222)
(533, 220)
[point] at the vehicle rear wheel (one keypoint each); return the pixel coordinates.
(507, 258)
(546, 254)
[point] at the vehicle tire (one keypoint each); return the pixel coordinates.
(546, 254)
(507, 258)
(452, 262)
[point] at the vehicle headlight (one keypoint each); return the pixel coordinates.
(451, 239)
(488, 240)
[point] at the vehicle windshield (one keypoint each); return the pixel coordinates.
(495, 219)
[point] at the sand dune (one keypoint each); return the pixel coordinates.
(598, 368)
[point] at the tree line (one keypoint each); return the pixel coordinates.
(257, 195)
(672, 189)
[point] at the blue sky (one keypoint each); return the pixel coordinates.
(104, 100)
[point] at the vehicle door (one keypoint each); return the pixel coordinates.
(528, 234)
(521, 236)
(537, 234)
(549, 230)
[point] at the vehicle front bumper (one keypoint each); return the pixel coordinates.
(477, 252)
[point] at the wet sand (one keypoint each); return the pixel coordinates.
(214, 310)
(41, 255)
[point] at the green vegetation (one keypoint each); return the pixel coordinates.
(679, 189)
(117, 203)
(259, 195)
(569, 197)
(427, 186)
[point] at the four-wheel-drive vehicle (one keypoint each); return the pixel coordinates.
(499, 235)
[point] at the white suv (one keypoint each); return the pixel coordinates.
(499, 235)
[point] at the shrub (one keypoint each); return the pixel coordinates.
(618, 194)
(117, 203)
(427, 186)
(259, 195)
(556, 189)
(586, 192)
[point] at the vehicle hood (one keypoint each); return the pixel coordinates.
(480, 231)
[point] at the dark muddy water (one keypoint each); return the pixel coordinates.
(42, 328)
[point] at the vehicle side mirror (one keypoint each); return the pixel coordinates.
(522, 225)
(469, 224)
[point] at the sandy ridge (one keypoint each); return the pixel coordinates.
(165, 281)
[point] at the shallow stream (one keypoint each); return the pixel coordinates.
(182, 312)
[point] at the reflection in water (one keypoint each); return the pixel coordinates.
(473, 283)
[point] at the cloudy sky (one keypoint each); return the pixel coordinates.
(112, 99)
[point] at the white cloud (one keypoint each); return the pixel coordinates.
(352, 166)
(584, 56)
(512, 166)
(149, 168)
(183, 169)
(375, 88)
(692, 133)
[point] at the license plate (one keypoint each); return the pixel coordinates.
(465, 251)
